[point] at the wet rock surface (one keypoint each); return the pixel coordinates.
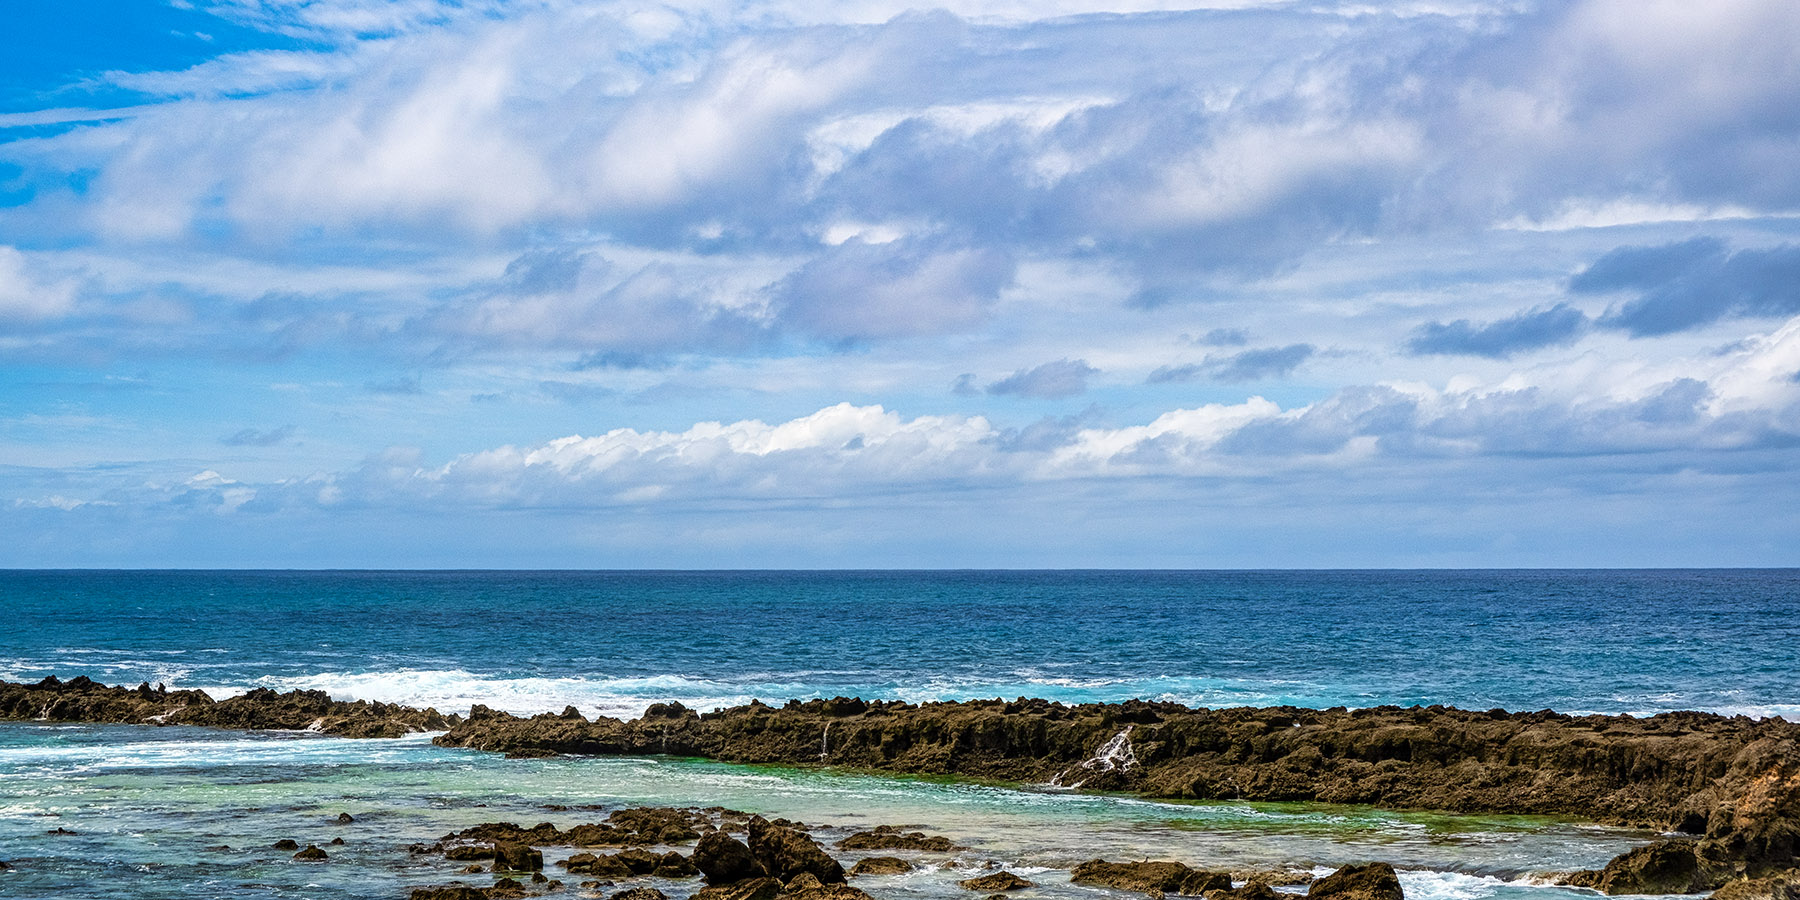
(893, 837)
(998, 881)
(1371, 881)
(1145, 877)
(82, 700)
(881, 865)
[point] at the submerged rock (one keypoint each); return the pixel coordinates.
(1372, 881)
(881, 865)
(1167, 877)
(998, 881)
(345, 819)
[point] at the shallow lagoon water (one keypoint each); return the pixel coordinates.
(186, 812)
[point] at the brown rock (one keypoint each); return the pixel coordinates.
(747, 889)
(998, 881)
(1782, 886)
(807, 886)
(463, 852)
(449, 892)
(344, 819)
(286, 844)
(1372, 881)
(891, 837)
(725, 860)
(1253, 890)
(1165, 876)
(786, 853)
(506, 889)
(511, 857)
(471, 869)
(312, 853)
(881, 865)
(640, 893)
(1665, 867)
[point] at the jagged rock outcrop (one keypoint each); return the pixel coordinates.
(83, 700)
(1371, 881)
(997, 881)
(786, 854)
(1252, 890)
(881, 865)
(723, 860)
(1159, 876)
(892, 837)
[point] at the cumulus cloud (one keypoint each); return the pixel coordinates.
(1746, 402)
(1529, 330)
(1692, 284)
(1050, 381)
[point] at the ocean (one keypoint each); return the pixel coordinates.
(182, 812)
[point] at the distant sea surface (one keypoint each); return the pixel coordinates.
(102, 811)
(612, 642)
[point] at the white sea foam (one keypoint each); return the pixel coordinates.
(455, 690)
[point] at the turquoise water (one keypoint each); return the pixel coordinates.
(178, 812)
(183, 812)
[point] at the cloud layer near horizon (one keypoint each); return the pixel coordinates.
(980, 248)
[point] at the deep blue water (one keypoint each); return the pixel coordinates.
(1610, 641)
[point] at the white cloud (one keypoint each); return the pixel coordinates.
(29, 294)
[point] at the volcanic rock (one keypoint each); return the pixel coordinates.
(286, 844)
(786, 853)
(1782, 886)
(998, 881)
(449, 892)
(1252, 890)
(513, 857)
(725, 860)
(463, 852)
(312, 852)
(640, 893)
(1372, 881)
(345, 819)
(881, 865)
(747, 889)
(1167, 877)
(807, 886)
(890, 837)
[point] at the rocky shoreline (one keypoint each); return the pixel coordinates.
(1729, 786)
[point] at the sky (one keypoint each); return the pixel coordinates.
(994, 283)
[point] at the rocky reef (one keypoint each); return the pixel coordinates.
(83, 700)
(1727, 788)
(1729, 785)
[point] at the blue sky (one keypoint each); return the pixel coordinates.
(997, 283)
